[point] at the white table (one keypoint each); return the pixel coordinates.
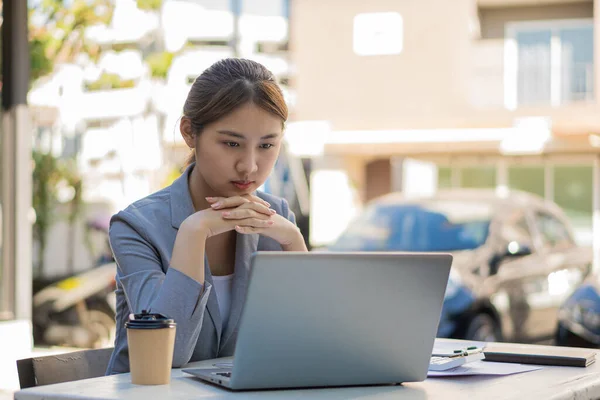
(547, 383)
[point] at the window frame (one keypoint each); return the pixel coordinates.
(545, 243)
(511, 59)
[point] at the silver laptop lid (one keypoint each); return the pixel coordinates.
(338, 319)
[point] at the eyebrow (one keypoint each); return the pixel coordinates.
(240, 136)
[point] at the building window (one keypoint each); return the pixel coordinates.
(478, 177)
(573, 192)
(472, 177)
(527, 178)
(549, 63)
(571, 188)
(444, 177)
(554, 233)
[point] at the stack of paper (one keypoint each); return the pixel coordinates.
(485, 368)
(449, 348)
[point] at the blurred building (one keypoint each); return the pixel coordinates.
(420, 95)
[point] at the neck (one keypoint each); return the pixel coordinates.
(199, 190)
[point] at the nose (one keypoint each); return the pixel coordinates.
(247, 164)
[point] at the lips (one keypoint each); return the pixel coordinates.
(242, 185)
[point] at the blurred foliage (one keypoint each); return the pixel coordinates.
(57, 29)
(55, 181)
(40, 63)
(109, 81)
(160, 63)
(160, 60)
(150, 5)
(118, 47)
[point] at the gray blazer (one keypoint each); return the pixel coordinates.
(142, 238)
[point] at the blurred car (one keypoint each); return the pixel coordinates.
(515, 259)
(579, 316)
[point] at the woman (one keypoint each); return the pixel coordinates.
(184, 251)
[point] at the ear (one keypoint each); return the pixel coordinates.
(185, 127)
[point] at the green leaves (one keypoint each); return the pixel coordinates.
(109, 81)
(149, 5)
(40, 64)
(160, 63)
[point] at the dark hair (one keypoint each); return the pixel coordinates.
(227, 85)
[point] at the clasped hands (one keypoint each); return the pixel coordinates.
(245, 214)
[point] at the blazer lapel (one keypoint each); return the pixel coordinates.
(181, 199)
(245, 246)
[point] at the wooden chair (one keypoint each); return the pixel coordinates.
(73, 366)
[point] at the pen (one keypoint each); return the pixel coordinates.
(464, 352)
(468, 351)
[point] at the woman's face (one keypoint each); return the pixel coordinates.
(236, 154)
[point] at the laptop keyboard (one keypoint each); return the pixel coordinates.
(225, 374)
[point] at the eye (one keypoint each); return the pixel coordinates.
(266, 146)
(232, 144)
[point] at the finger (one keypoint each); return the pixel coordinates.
(228, 202)
(258, 207)
(257, 199)
(243, 213)
(255, 223)
(219, 203)
(248, 229)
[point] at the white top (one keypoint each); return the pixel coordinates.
(223, 285)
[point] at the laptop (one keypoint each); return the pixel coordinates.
(328, 319)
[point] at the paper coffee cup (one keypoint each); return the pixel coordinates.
(151, 339)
